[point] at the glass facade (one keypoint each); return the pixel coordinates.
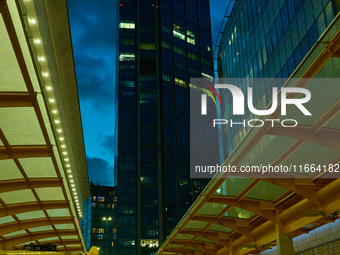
(162, 45)
(267, 39)
(99, 224)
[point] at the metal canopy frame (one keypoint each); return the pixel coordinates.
(41, 189)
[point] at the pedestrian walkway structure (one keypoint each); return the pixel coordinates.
(237, 215)
(43, 174)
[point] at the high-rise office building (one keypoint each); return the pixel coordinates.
(162, 44)
(99, 222)
(263, 39)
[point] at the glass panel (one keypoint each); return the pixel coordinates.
(266, 191)
(211, 209)
(219, 228)
(236, 212)
(194, 224)
(232, 186)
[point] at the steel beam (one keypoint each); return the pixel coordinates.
(16, 100)
(12, 241)
(30, 207)
(6, 186)
(35, 151)
(16, 226)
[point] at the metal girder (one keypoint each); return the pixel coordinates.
(11, 99)
(240, 226)
(178, 251)
(327, 117)
(218, 237)
(16, 226)
(326, 137)
(30, 207)
(6, 186)
(305, 187)
(36, 151)
(265, 209)
(287, 153)
(331, 50)
(12, 241)
(207, 248)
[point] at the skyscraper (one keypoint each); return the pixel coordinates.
(267, 39)
(162, 45)
(99, 222)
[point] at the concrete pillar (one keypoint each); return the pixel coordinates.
(285, 245)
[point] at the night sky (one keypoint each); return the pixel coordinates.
(94, 48)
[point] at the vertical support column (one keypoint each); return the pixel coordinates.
(232, 251)
(285, 245)
(284, 242)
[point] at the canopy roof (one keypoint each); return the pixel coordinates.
(236, 215)
(43, 174)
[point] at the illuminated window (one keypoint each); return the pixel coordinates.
(94, 230)
(179, 50)
(207, 76)
(180, 82)
(115, 199)
(101, 231)
(126, 56)
(150, 243)
(108, 206)
(192, 56)
(178, 32)
(147, 46)
(94, 198)
(190, 37)
(93, 204)
(114, 231)
(166, 77)
(113, 206)
(127, 25)
(101, 199)
(166, 45)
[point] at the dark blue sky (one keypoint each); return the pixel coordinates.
(94, 48)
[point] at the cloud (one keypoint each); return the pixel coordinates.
(100, 171)
(94, 37)
(109, 144)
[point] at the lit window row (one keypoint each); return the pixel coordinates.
(179, 33)
(180, 82)
(207, 76)
(57, 124)
(126, 56)
(127, 25)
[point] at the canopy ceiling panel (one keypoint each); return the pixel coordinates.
(43, 175)
(10, 75)
(9, 170)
